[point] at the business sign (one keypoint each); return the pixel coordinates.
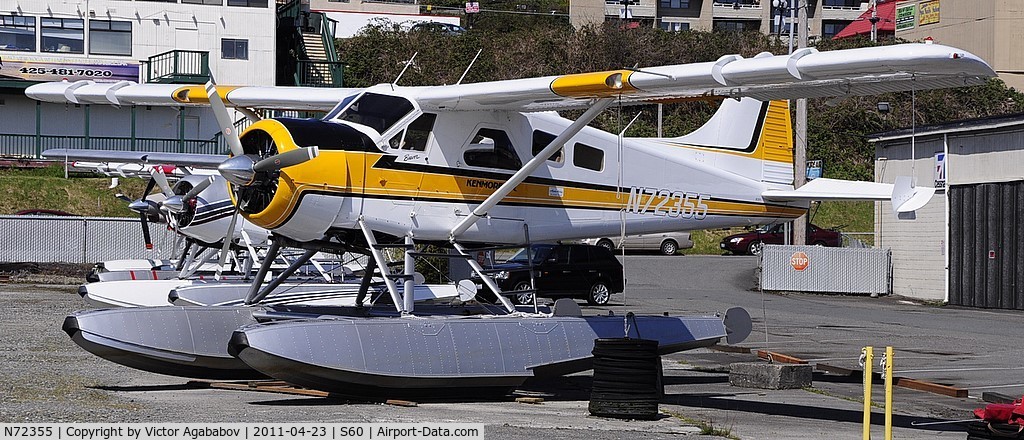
(940, 170)
(472, 7)
(905, 17)
(929, 13)
(34, 68)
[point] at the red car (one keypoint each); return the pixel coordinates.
(752, 242)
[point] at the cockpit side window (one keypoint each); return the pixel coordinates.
(491, 148)
(378, 112)
(418, 132)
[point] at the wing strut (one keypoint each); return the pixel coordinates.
(530, 167)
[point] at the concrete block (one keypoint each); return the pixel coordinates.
(769, 376)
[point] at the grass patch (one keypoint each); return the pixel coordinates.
(854, 218)
(46, 188)
(706, 427)
(846, 398)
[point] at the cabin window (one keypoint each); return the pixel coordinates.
(18, 33)
(64, 35)
(585, 156)
(541, 139)
(492, 148)
(378, 112)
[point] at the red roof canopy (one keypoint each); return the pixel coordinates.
(862, 25)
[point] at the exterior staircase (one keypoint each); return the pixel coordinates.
(306, 41)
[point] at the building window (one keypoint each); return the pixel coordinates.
(829, 29)
(233, 49)
(110, 37)
(65, 35)
(248, 3)
(843, 3)
(675, 26)
(675, 4)
(585, 156)
(737, 25)
(18, 33)
(205, 2)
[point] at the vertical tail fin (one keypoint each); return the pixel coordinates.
(752, 129)
(775, 147)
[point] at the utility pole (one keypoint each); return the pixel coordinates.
(800, 155)
(874, 21)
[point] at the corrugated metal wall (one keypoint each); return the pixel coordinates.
(828, 269)
(52, 239)
(986, 255)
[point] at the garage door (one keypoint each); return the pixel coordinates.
(986, 249)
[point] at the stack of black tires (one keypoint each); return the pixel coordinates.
(627, 379)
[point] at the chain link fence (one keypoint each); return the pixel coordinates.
(57, 239)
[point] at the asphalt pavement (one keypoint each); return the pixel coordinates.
(45, 377)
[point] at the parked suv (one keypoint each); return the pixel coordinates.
(752, 242)
(668, 243)
(561, 270)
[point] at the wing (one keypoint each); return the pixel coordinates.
(177, 95)
(209, 161)
(806, 73)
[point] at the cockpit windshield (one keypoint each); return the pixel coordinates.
(378, 112)
(338, 108)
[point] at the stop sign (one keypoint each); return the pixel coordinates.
(799, 261)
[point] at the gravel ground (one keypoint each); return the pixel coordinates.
(47, 378)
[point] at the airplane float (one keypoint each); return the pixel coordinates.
(482, 164)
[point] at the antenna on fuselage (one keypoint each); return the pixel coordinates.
(470, 66)
(407, 64)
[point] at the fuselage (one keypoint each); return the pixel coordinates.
(406, 170)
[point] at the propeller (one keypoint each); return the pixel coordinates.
(227, 128)
(145, 208)
(157, 173)
(176, 203)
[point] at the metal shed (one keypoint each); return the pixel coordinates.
(965, 247)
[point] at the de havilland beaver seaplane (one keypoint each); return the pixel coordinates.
(486, 164)
(198, 208)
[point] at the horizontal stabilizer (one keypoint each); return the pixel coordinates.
(904, 197)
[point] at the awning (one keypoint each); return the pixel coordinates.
(862, 25)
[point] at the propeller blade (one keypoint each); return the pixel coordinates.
(149, 188)
(287, 159)
(227, 127)
(197, 189)
(145, 230)
(161, 179)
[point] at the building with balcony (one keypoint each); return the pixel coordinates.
(825, 17)
(353, 15)
(990, 30)
(240, 42)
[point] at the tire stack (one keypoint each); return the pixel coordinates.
(981, 430)
(627, 379)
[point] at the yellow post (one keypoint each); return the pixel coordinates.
(867, 357)
(888, 392)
